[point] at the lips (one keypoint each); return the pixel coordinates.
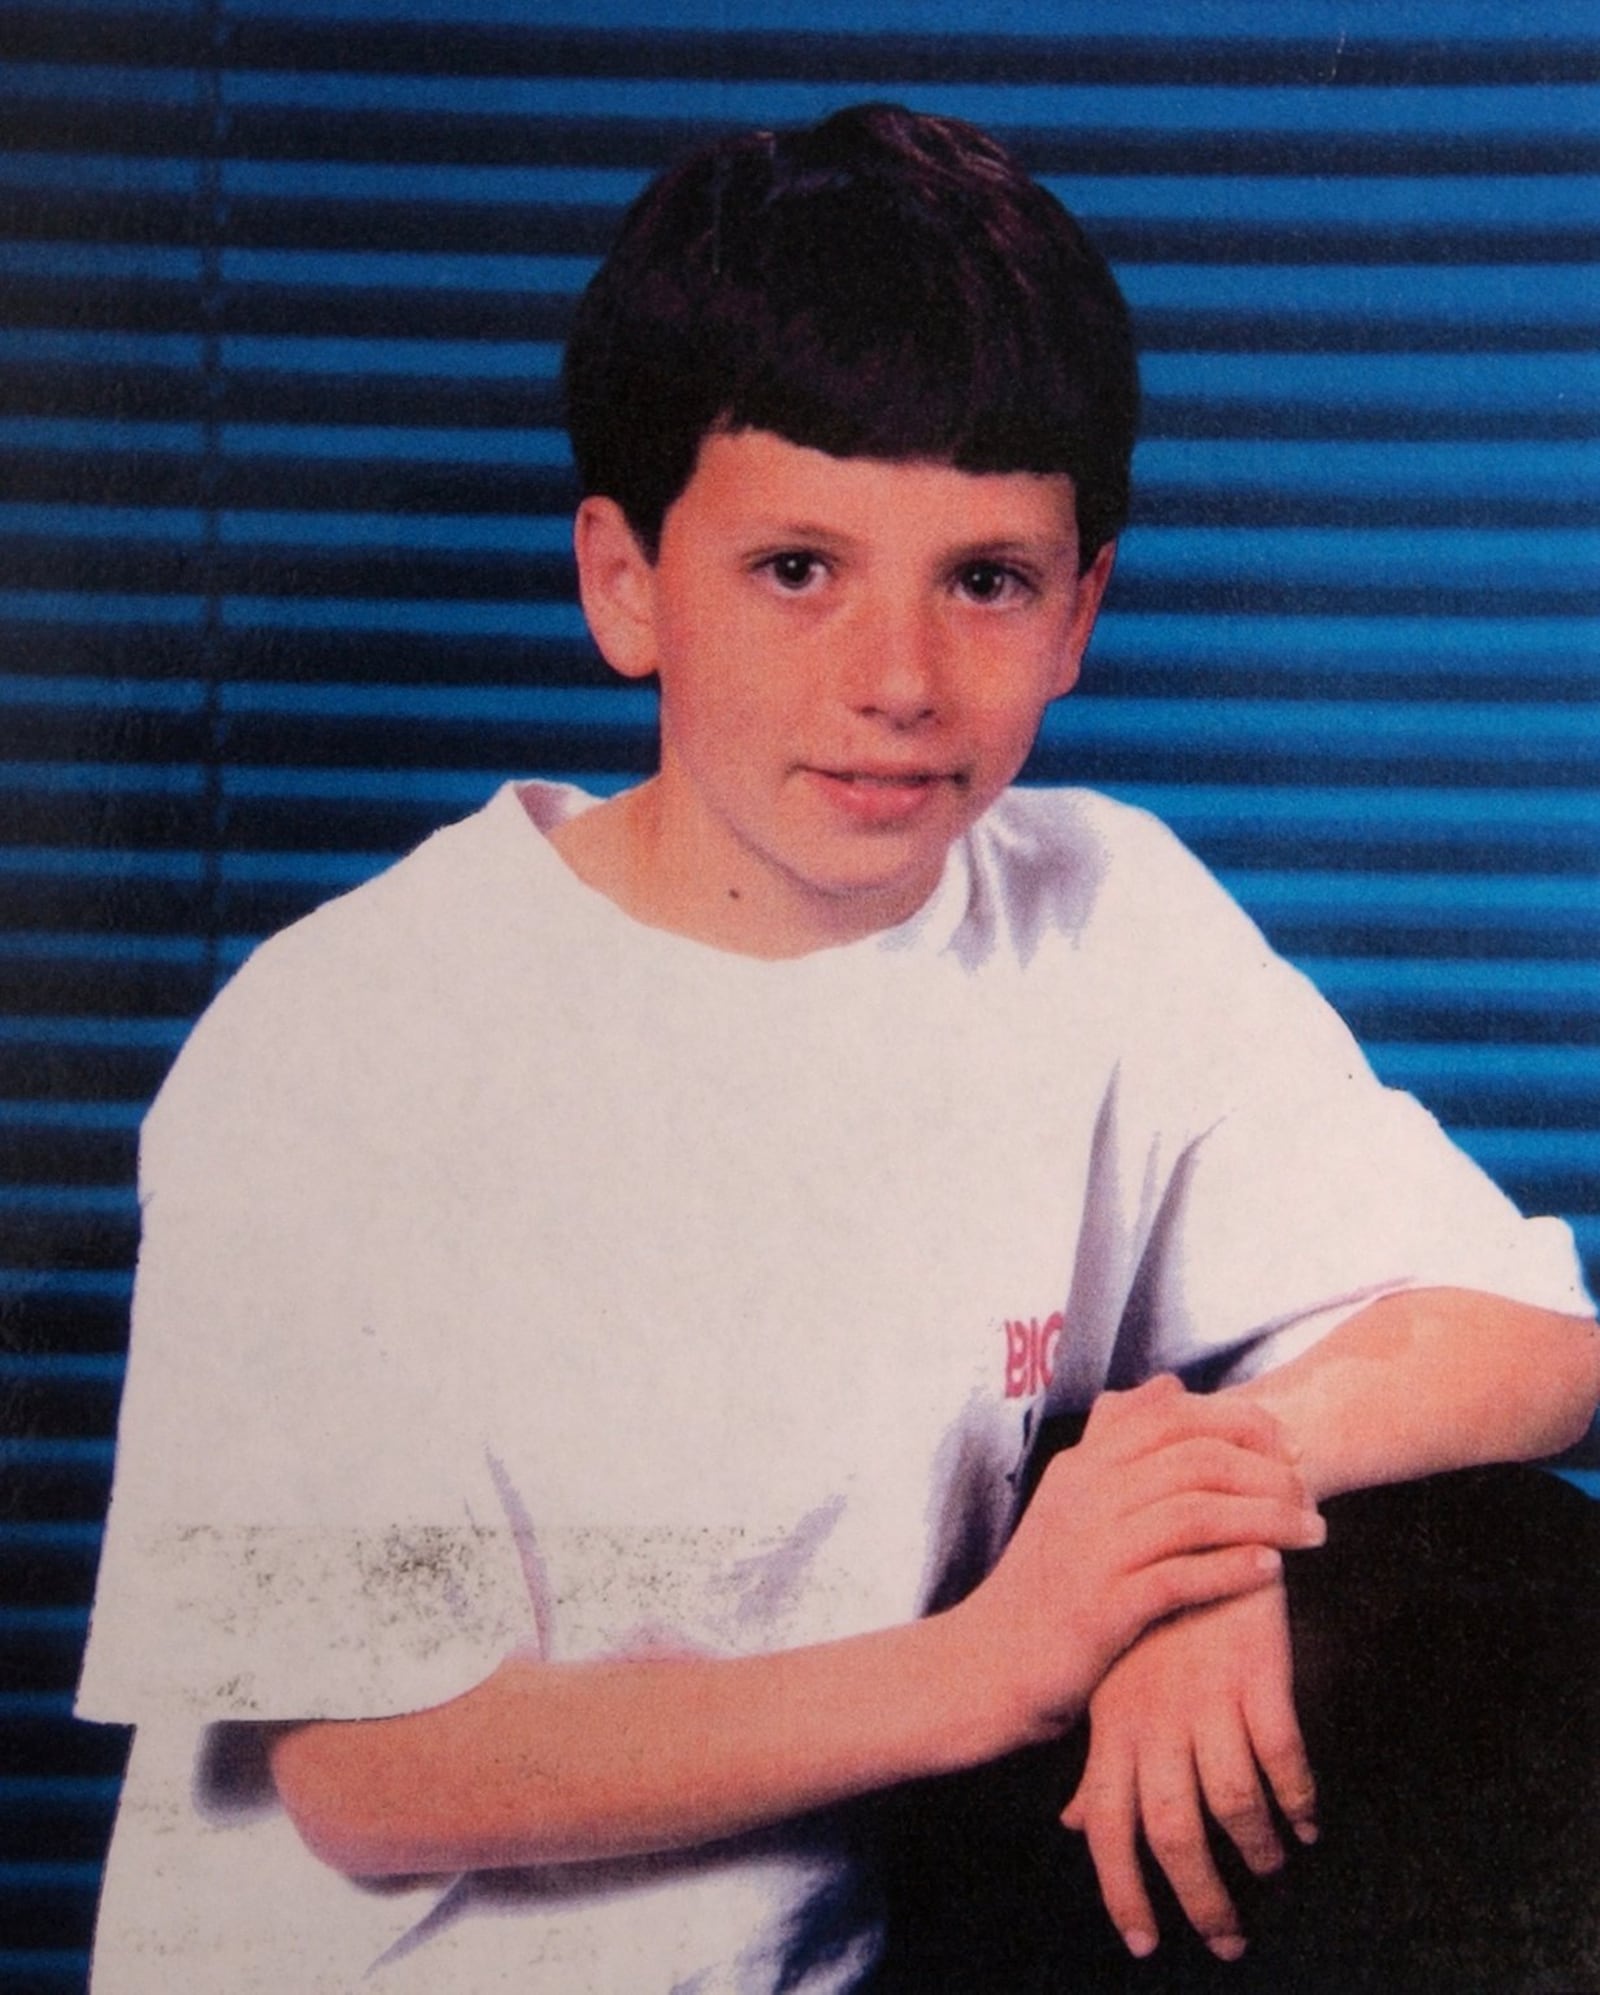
(917, 781)
(891, 779)
(882, 799)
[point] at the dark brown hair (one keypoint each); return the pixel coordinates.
(882, 284)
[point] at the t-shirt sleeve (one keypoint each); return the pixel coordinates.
(1293, 1212)
(304, 1521)
(1293, 1187)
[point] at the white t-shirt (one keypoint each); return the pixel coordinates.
(519, 1277)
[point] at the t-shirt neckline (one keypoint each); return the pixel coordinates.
(529, 810)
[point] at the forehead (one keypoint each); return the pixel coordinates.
(750, 481)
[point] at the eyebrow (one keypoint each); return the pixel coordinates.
(779, 533)
(1004, 546)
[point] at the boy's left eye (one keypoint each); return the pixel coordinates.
(990, 582)
(793, 570)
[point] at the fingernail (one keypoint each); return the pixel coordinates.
(1227, 1946)
(1307, 1831)
(1140, 1944)
(1268, 1560)
(1316, 1528)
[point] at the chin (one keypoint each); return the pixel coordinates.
(857, 888)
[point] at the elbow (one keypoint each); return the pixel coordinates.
(327, 1789)
(1575, 1368)
(424, 1793)
(1543, 1401)
(1533, 1376)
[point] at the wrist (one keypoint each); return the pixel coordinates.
(994, 1705)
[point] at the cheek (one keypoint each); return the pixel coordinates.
(722, 731)
(1006, 707)
(719, 718)
(745, 686)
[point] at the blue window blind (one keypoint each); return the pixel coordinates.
(284, 579)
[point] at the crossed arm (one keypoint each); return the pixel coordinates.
(1170, 1500)
(1198, 1717)
(1160, 1520)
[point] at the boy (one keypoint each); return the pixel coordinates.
(601, 1280)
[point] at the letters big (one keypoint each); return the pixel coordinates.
(1031, 1353)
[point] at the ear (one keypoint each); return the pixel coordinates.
(1091, 593)
(616, 585)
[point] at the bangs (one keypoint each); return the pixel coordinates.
(882, 285)
(852, 320)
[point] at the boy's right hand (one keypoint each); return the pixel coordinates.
(1170, 1499)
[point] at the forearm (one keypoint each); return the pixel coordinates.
(551, 1763)
(1168, 1501)
(1434, 1379)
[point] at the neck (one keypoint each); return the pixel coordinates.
(667, 876)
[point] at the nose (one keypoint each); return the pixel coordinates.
(896, 664)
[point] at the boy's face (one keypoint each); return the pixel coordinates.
(853, 656)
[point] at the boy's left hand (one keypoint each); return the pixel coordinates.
(1197, 1718)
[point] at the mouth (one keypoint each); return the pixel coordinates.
(884, 800)
(893, 779)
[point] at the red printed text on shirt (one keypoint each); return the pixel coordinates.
(1031, 1353)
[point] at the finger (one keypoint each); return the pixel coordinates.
(1234, 1795)
(1280, 1751)
(1161, 1411)
(1167, 1586)
(1208, 1462)
(1174, 1828)
(1202, 1520)
(1104, 1810)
